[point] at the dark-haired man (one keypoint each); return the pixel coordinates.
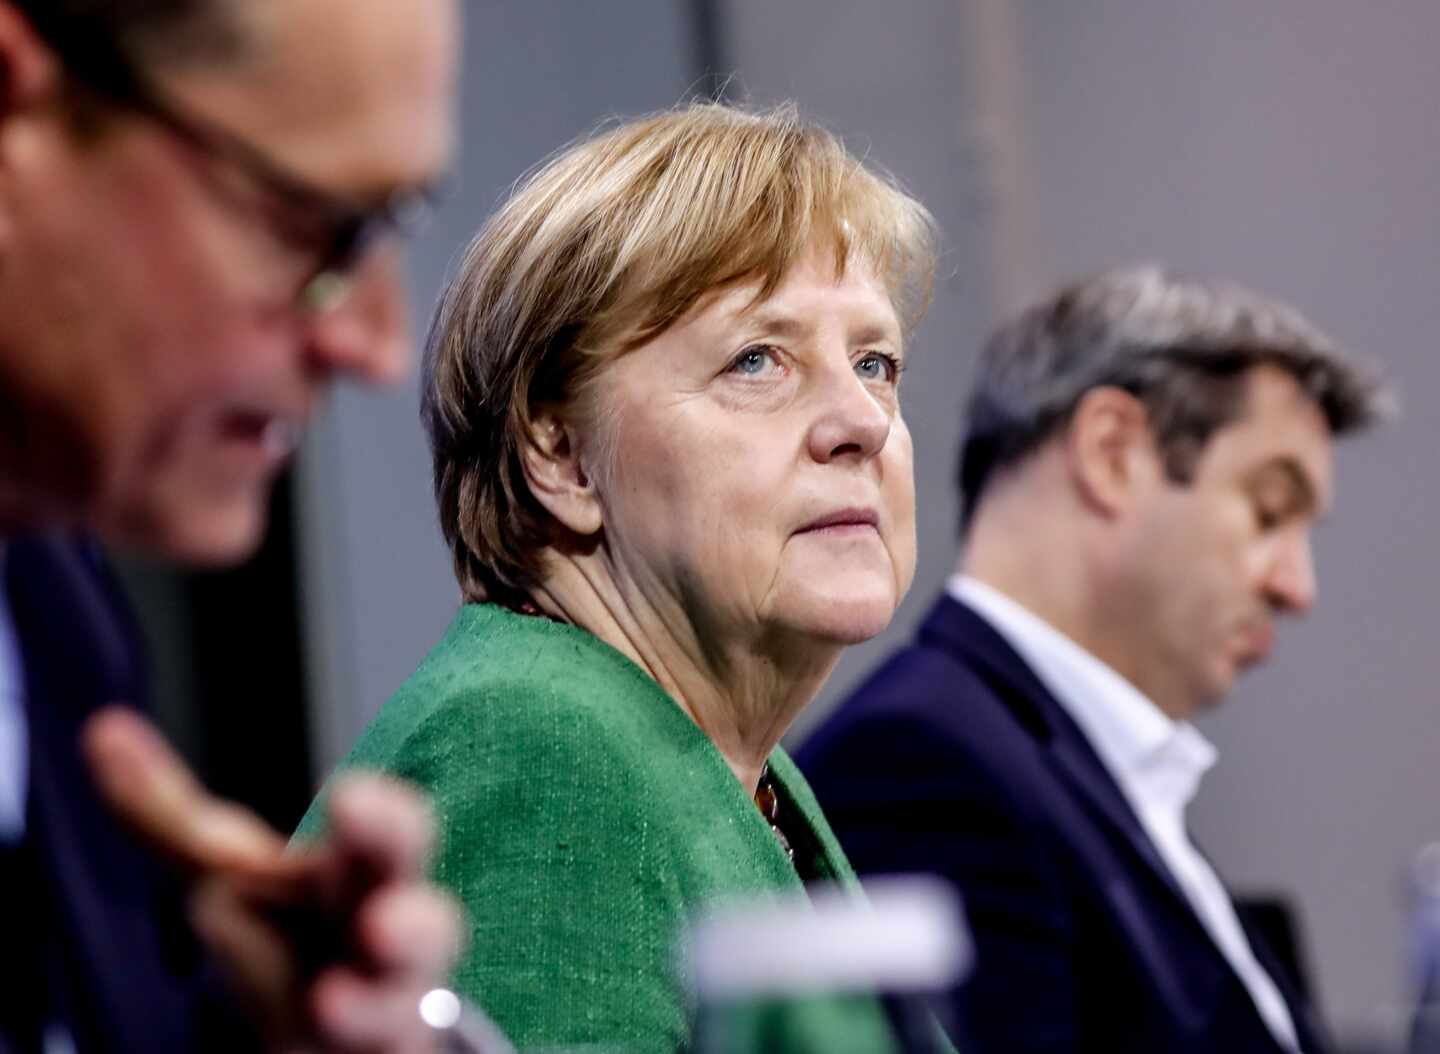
(1144, 459)
(197, 199)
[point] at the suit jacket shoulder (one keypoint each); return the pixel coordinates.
(933, 722)
(954, 758)
(123, 967)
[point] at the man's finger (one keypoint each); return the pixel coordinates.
(410, 930)
(154, 793)
(380, 825)
(355, 1013)
(254, 956)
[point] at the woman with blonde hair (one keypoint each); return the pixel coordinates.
(671, 467)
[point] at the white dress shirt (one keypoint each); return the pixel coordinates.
(14, 739)
(1157, 763)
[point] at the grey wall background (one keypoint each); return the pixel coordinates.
(1290, 145)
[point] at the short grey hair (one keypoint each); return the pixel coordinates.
(1181, 346)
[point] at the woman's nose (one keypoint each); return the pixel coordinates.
(851, 421)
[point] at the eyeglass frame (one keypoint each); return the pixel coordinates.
(352, 229)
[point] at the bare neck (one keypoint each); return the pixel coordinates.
(23, 506)
(43, 477)
(1032, 553)
(1062, 573)
(742, 689)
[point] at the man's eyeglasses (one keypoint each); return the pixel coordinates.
(337, 233)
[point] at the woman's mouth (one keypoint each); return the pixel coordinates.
(843, 521)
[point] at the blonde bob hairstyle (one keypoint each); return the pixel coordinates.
(600, 250)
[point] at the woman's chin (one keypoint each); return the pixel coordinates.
(848, 617)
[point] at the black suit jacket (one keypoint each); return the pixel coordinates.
(98, 933)
(954, 758)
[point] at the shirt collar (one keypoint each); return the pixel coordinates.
(1151, 755)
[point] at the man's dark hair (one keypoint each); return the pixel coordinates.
(92, 36)
(1181, 347)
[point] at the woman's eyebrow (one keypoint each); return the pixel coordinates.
(769, 319)
(877, 333)
(774, 320)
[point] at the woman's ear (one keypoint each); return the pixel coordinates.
(558, 480)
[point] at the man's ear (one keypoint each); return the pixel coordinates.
(1111, 449)
(551, 456)
(29, 70)
(30, 78)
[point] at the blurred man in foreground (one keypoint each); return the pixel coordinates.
(1144, 459)
(196, 203)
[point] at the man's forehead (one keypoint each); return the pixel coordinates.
(1282, 429)
(357, 96)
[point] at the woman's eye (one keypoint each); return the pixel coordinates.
(754, 361)
(878, 366)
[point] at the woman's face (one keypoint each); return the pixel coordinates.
(756, 470)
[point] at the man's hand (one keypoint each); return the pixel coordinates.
(332, 945)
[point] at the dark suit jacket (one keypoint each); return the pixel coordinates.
(954, 758)
(97, 932)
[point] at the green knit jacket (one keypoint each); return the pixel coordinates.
(583, 819)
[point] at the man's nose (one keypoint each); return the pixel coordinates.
(851, 421)
(367, 336)
(1291, 583)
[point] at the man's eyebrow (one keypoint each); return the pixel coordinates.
(1290, 469)
(436, 185)
(432, 189)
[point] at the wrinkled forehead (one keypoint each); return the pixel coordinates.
(818, 282)
(355, 95)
